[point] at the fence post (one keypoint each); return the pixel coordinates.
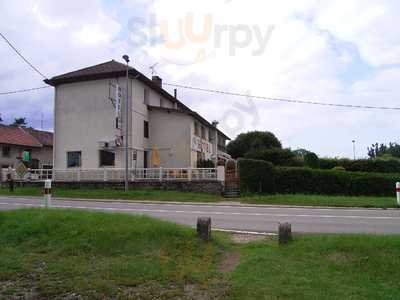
(160, 174)
(104, 174)
(78, 175)
(189, 174)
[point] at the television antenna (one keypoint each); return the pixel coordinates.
(153, 69)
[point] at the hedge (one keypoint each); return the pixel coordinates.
(278, 157)
(362, 165)
(294, 180)
(256, 176)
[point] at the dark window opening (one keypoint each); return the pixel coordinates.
(145, 159)
(74, 159)
(107, 158)
(203, 132)
(146, 129)
(6, 150)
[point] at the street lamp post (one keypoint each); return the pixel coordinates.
(354, 149)
(126, 58)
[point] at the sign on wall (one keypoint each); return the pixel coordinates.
(201, 146)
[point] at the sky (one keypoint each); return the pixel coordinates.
(334, 51)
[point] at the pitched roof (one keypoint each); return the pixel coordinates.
(44, 137)
(112, 69)
(25, 136)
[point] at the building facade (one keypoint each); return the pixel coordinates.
(90, 121)
(33, 147)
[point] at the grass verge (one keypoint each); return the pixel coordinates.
(317, 200)
(320, 267)
(160, 195)
(51, 254)
(63, 254)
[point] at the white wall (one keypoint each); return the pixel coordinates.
(171, 133)
(84, 116)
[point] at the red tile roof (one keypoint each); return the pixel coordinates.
(44, 137)
(24, 136)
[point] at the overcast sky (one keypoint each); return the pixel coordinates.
(345, 51)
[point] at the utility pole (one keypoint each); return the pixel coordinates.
(354, 149)
(126, 58)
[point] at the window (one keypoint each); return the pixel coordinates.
(203, 132)
(6, 151)
(74, 159)
(146, 129)
(146, 96)
(145, 161)
(107, 158)
(196, 128)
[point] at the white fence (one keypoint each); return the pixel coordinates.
(112, 174)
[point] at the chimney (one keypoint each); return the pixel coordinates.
(215, 123)
(157, 80)
(175, 93)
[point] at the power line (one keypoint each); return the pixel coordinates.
(298, 101)
(23, 58)
(23, 91)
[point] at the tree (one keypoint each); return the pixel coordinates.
(379, 150)
(311, 160)
(254, 140)
(19, 122)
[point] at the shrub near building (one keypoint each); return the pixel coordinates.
(262, 177)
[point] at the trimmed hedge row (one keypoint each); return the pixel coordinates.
(263, 177)
(362, 165)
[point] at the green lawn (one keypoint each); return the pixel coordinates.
(320, 267)
(159, 195)
(316, 200)
(68, 254)
(133, 194)
(58, 253)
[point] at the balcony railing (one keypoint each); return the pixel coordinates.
(113, 174)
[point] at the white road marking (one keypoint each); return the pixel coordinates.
(206, 212)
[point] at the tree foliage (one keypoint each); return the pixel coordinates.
(254, 140)
(19, 122)
(379, 150)
(311, 160)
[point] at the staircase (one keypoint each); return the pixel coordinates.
(232, 181)
(232, 189)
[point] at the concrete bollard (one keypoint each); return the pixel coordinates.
(285, 233)
(398, 193)
(47, 193)
(204, 228)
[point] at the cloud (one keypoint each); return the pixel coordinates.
(333, 51)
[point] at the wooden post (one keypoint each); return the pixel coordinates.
(285, 233)
(204, 228)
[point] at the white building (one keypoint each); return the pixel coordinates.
(89, 124)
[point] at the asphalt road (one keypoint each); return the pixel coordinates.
(244, 218)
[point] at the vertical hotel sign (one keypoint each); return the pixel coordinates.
(118, 117)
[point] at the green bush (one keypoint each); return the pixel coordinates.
(311, 160)
(278, 157)
(310, 181)
(378, 165)
(256, 176)
(260, 176)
